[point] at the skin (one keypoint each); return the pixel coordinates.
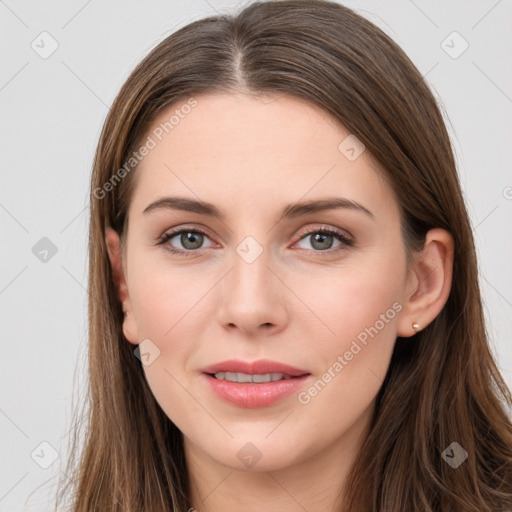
(296, 303)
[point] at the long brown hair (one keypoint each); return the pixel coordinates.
(443, 385)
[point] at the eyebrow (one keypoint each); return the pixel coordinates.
(291, 211)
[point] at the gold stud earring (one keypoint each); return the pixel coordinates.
(416, 326)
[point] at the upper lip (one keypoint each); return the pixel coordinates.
(260, 367)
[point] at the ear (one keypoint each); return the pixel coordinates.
(429, 282)
(114, 253)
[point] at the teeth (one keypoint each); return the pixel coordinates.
(267, 377)
(244, 377)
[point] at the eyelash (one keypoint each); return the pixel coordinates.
(345, 240)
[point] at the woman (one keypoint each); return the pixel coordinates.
(285, 311)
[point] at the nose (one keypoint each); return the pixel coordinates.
(252, 297)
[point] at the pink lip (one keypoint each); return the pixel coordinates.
(252, 395)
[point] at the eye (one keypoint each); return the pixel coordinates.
(322, 239)
(190, 240)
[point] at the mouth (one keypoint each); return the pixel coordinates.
(256, 378)
(263, 370)
(254, 384)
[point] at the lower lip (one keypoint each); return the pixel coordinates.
(253, 395)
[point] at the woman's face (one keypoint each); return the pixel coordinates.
(260, 282)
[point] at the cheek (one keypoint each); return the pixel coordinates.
(354, 342)
(167, 299)
(172, 308)
(353, 298)
(169, 311)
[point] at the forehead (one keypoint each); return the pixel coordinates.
(245, 150)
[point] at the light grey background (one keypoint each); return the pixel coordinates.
(52, 111)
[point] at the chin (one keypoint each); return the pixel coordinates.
(257, 456)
